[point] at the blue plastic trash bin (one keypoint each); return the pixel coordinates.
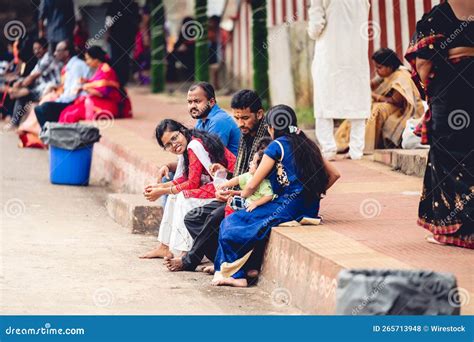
(70, 167)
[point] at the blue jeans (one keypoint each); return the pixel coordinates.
(164, 180)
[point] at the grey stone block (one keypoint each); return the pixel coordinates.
(132, 211)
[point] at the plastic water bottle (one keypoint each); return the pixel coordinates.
(220, 177)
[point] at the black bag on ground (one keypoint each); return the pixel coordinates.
(69, 136)
(397, 292)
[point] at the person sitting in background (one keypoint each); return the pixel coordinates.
(395, 99)
(142, 53)
(183, 53)
(199, 149)
(21, 66)
(45, 74)
(53, 103)
(81, 34)
(102, 96)
(7, 66)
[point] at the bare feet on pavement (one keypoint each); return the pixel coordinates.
(218, 281)
(174, 264)
(160, 252)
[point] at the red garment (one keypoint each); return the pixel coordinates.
(139, 46)
(228, 210)
(89, 107)
(80, 39)
(30, 140)
(190, 185)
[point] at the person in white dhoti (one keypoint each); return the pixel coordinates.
(340, 70)
(194, 188)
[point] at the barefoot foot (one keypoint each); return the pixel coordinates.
(229, 282)
(174, 264)
(208, 269)
(160, 252)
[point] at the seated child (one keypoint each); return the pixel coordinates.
(264, 193)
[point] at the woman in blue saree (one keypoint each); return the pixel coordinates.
(299, 177)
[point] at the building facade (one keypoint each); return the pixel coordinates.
(391, 23)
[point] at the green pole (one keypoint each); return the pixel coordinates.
(260, 51)
(158, 46)
(202, 49)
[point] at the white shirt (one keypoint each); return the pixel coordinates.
(75, 69)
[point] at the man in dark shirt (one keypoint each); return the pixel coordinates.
(203, 223)
(122, 22)
(60, 21)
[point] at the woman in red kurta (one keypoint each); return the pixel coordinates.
(193, 185)
(102, 98)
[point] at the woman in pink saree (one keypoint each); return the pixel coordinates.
(103, 98)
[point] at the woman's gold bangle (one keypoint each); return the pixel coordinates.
(171, 190)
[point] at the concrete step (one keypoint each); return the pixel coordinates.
(126, 161)
(409, 162)
(301, 266)
(135, 213)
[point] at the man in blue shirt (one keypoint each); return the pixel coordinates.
(211, 118)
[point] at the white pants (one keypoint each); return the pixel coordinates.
(173, 232)
(325, 136)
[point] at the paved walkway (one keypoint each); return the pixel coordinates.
(60, 253)
(370, 204)
(65, 250)
(378, 207)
